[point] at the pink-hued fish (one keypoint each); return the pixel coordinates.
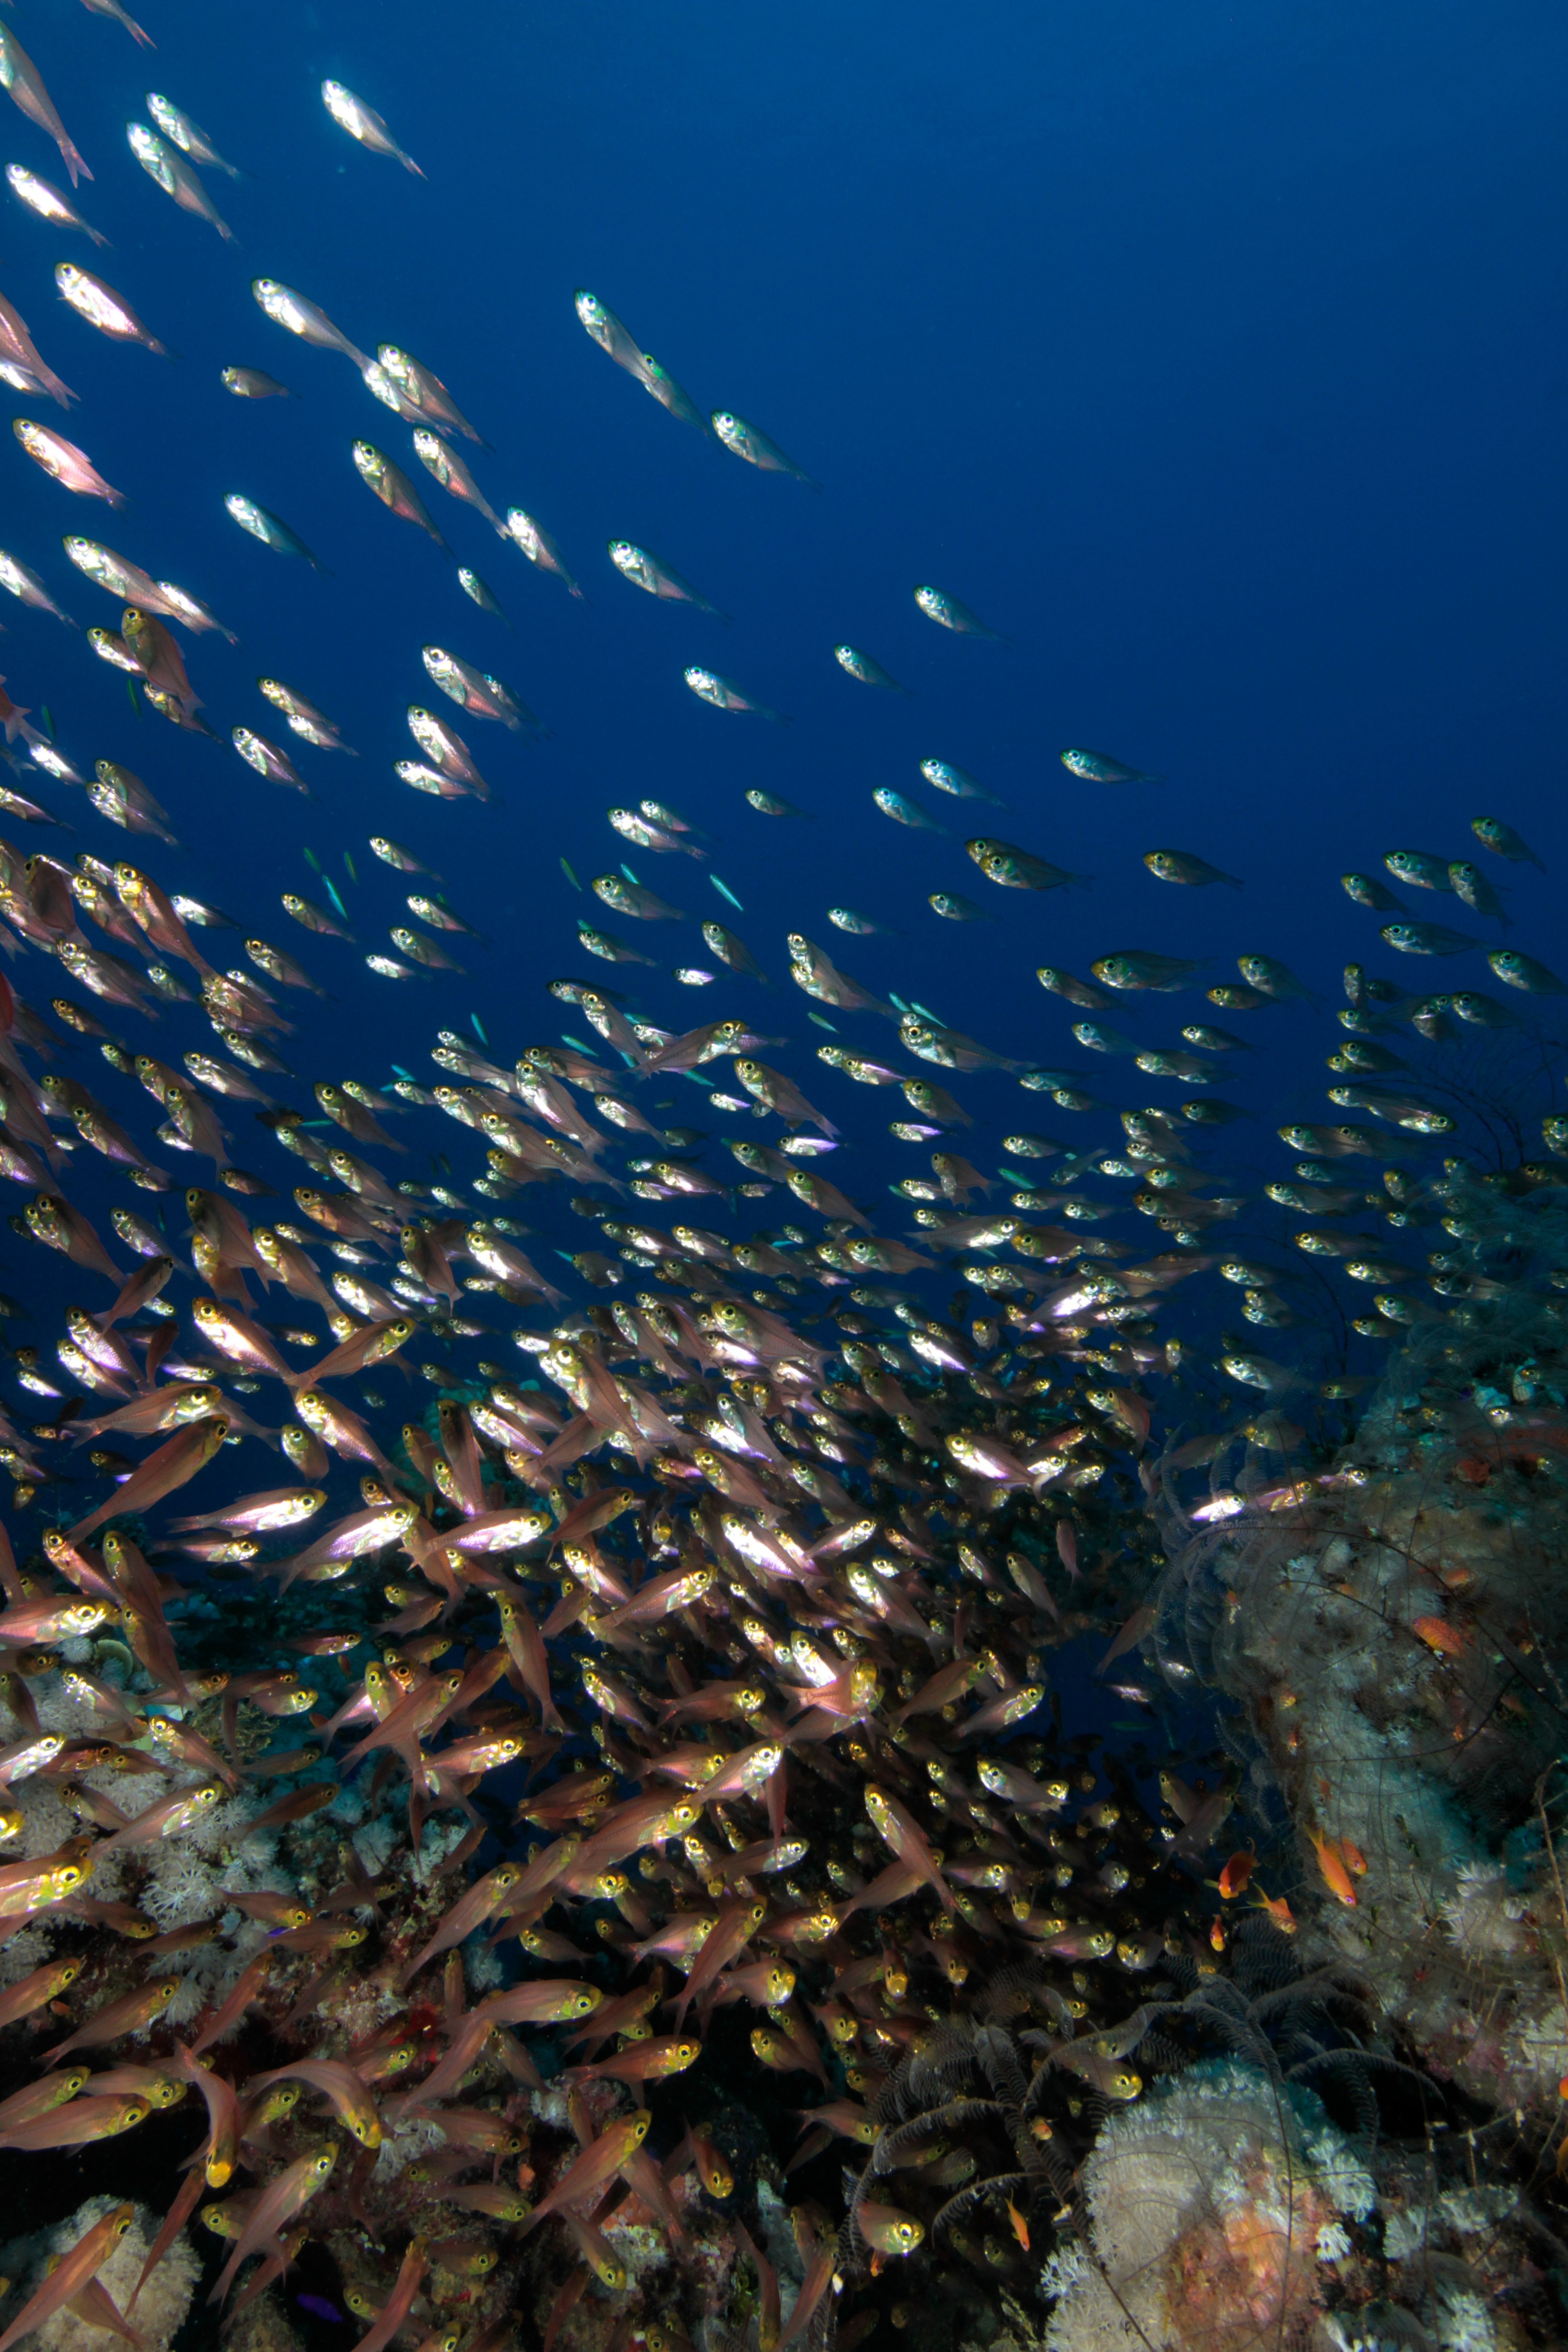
(18, 349)
(174, 1465)
(70, 2274)
(98, 302)
(278, 2204)
(64, 462)
(117, 15)
(21, 77)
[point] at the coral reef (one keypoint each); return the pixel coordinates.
(1394, 1636)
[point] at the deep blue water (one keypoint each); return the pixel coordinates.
(1213, 356)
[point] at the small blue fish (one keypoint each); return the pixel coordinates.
(478, 1031)
(332, 895)
(570, 876)
(725, 892)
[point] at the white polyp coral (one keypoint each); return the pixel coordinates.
(161, 2307)
(1208, 2218)
(1343, 2177)
(1464, 2323)
(1482, 1913)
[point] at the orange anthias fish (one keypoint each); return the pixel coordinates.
(1233, 1878)
(1331, 1862)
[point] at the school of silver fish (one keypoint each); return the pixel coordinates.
(721, 1614)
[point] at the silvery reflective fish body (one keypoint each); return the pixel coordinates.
(946, 778)
(725, 695)
(64, 462)
(102, 308)
(952, 612)
(268, 528)
(20, 582)
(41, 197)
(656, 578)
(175, 177)
(299, 316)
(869, 672)
(476, 691)
(424, 389)
(362, 124)
(1100, 768)
(540, 548)
(748, 442)
(607, 331)
(188, 136)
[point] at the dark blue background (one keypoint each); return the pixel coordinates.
(1213, 356)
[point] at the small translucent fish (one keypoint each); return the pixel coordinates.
(609, 947)
(770, 804)
(421, 950)
(47, 202)
(657, 578)
(1100, 768)
(168, 168)
(957, 908)
(748, 441)
(312, 726)
(475, 691)
(480, 592)
(1472, 887)
(601, 322)
(20, 77)
(102, 308)
(692, 975)
(1270, 977)
(657, 381)
(362, 124)
(861, 927)
(1503, 842)
(725, 892)
(269, 529)
(945, 778)
(1524, 972)
(1135, 968)
(1018, 869)
(254, 384)
(27, 586)
(1367, 891)
(392, 853)
(1420, 868)
(293, 311)
(1181, 866)
(869, 672)
(903, 811)
(1427, 939)
(188, 136)
(266, 758)
(540, 549)
(725, 695)
(391, 485)
(64, 462)
(952, 612)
